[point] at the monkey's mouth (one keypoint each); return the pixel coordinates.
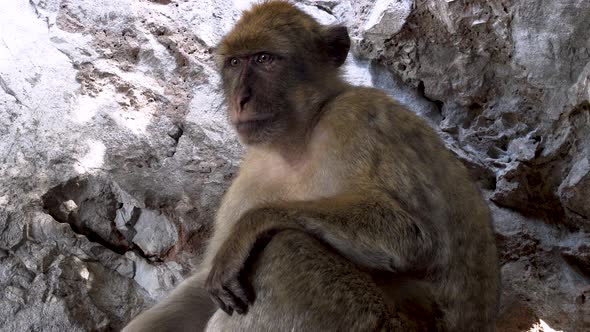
(251, 126)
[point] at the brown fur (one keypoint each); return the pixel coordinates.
(348, 212)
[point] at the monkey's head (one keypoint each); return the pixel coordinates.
(278, 67)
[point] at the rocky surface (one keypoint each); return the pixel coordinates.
(115, 151)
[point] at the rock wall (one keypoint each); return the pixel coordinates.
(115, 151)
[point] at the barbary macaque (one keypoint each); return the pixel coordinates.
(348, 212)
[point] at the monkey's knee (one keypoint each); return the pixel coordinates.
(313, 288)
(329, 293)
(302, 285)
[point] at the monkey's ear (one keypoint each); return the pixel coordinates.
(337, 43)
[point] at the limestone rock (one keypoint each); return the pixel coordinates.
(155, 233)
(115, 149)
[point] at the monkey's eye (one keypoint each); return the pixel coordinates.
(264, 58)
(234, 62)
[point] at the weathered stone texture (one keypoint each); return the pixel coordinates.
(115, 152)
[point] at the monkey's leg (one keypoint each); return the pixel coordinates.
(374, 236)
(187, 308)
(302, 285)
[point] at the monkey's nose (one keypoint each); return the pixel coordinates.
(244, 99)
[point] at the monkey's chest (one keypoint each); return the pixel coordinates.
(268, 180)
(304, 184)
(283, 185)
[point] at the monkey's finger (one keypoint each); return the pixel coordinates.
(238, 305)
(248, 290)
(221, 304)
(227, 298)
(239, 291)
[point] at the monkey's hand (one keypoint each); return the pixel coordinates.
(225, 287)
(227, 281)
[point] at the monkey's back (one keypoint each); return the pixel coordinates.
(396, 151)
(473, 261)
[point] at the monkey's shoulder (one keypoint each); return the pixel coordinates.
(365, 110)
(356, 99)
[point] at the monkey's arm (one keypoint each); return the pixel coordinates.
(373, 235)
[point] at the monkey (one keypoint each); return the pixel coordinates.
(348, 211)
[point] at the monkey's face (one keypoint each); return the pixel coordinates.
(256, 86)
(275, 65)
